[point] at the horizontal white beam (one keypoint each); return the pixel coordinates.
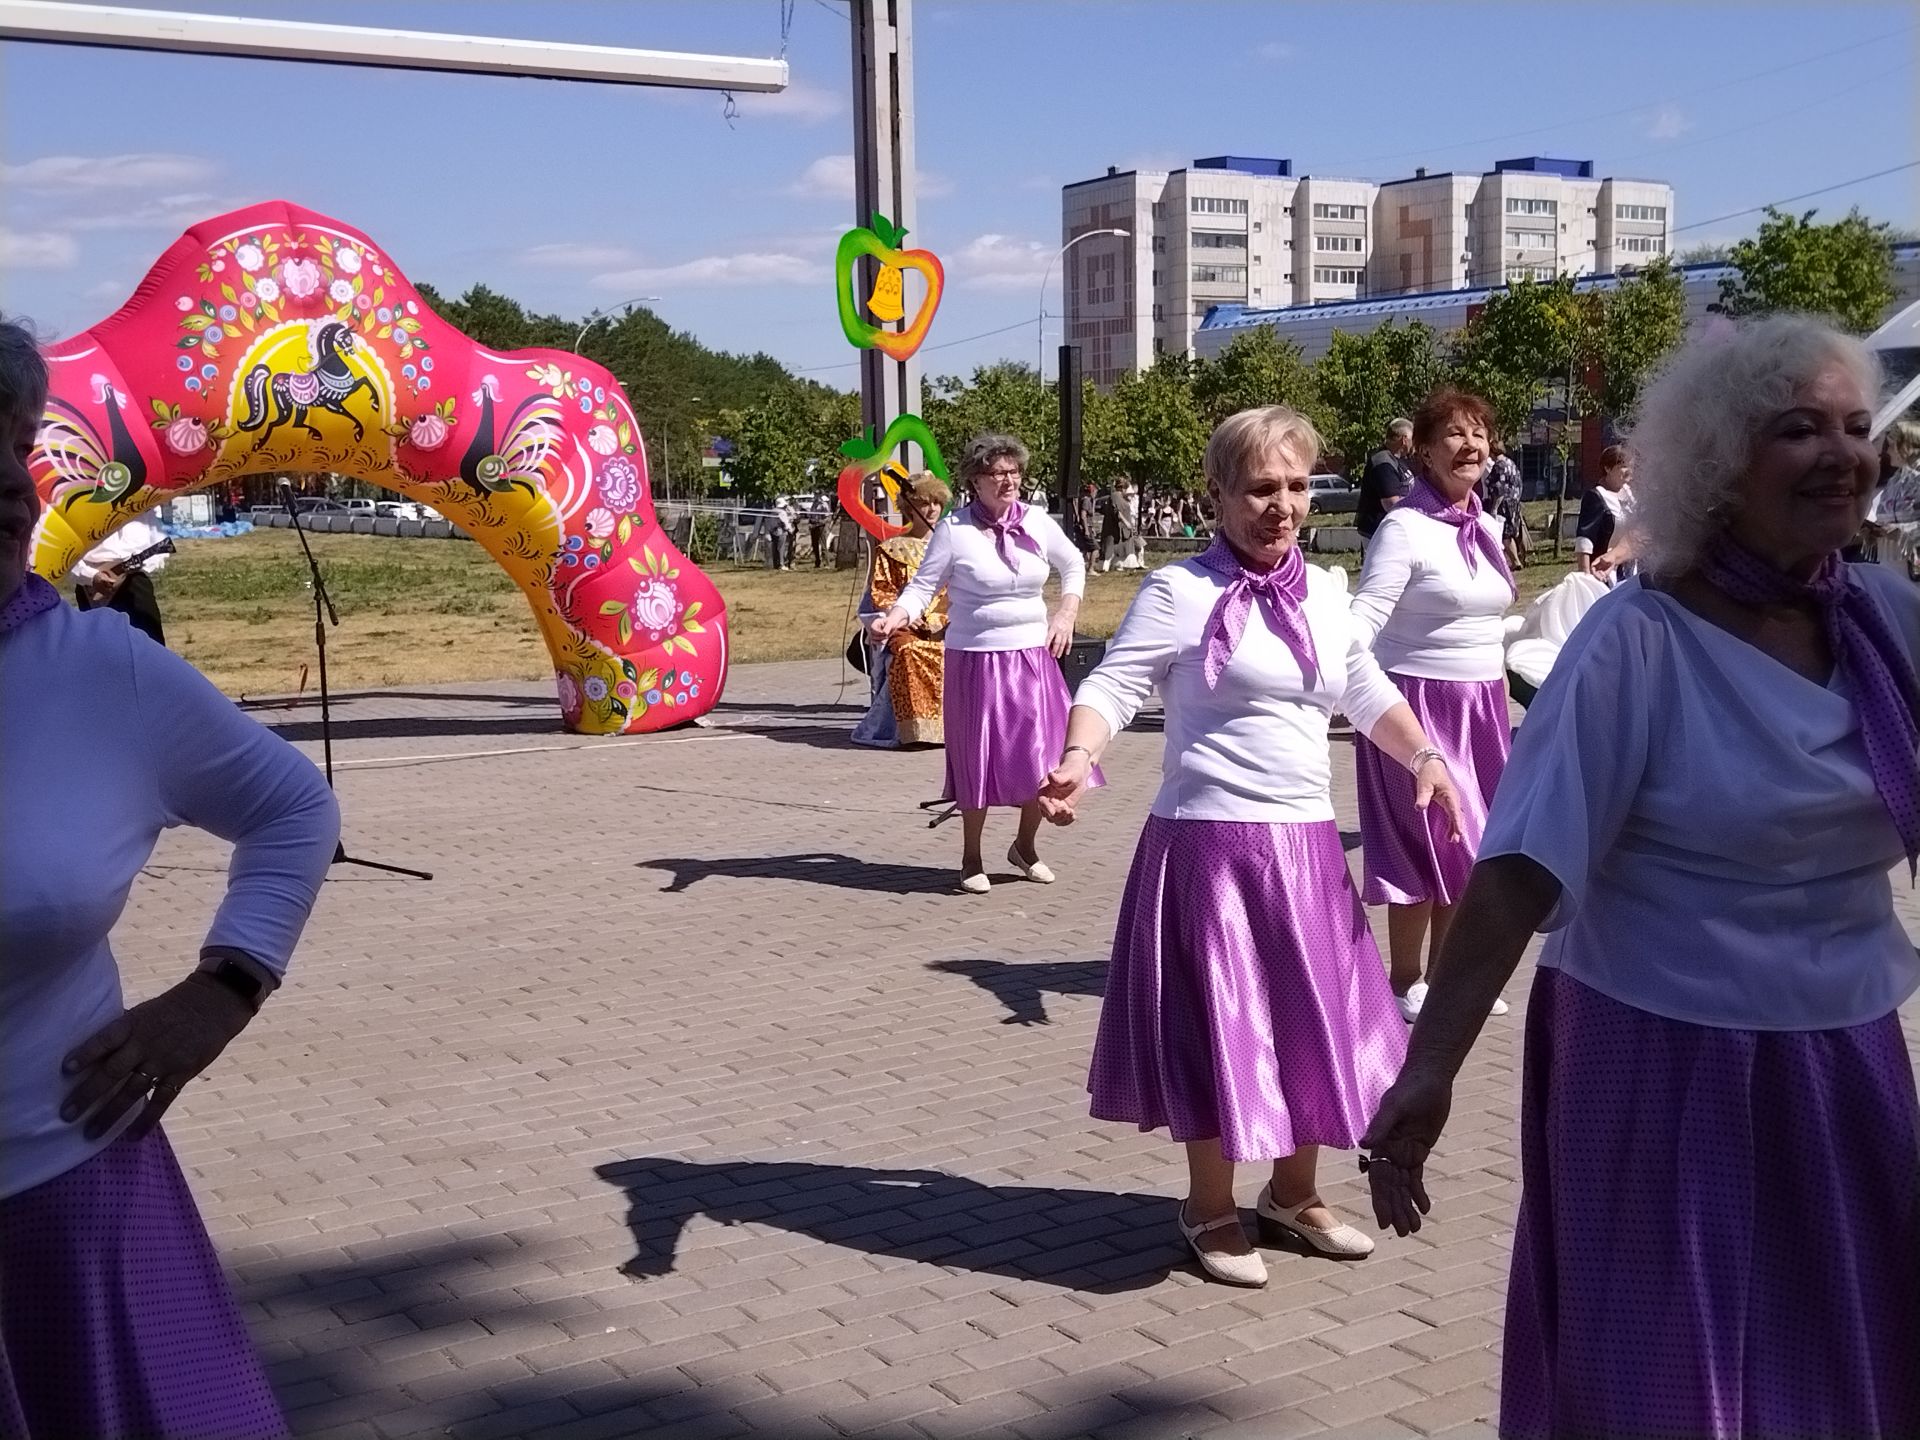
(122, 27)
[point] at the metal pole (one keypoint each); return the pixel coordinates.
(1040, 329)
(884, 179)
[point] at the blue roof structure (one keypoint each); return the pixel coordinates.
(1543, 165)
(1246, 165)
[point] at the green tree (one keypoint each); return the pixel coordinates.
(1151, 428)
(1365, 381)
(774, 444)
(1843, 269)
(1525, 336)
(1639, 322)
(1006, 397)
(1256, 368)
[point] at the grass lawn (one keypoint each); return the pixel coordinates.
(419, 611)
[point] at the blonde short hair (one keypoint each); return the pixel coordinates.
(929, 489)
(1240, 441)
(1903, 440)
(1700, 417)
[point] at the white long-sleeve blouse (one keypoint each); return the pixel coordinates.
(989, 605)
(1253, 747)
(1420, 608)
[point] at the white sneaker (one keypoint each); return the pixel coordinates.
(1500, 1007)
(1411, 1002)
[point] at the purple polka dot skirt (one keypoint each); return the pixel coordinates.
(1006, 723)
(116, 1322)
(1408, 859)
(1719, 1230)
(1246, 999)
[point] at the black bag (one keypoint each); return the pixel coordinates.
(857, 652)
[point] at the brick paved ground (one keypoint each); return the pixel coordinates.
(685, 1101)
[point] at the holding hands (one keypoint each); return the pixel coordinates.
(1061, 791)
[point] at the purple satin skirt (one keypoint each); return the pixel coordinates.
(1407, 857)
(1719, 1230)
(1246, 999)
(1006, 723)
(115, 1319)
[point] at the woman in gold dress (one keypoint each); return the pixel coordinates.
(909, 677)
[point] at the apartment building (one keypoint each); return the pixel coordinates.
(1245, 231)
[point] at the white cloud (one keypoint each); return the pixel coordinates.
(163, 212)
(108, 290)
(830, 177)
(1669, 122)
(714, 272)
(1003, 262)
(37, 250)
(135, 171)
(1275, 50)
(578, 255)
(808, 104)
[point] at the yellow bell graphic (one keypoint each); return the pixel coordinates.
(889, 294)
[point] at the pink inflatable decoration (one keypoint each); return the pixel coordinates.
(276, 339)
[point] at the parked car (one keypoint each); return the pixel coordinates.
(359, 507)
(1331, 495)
(315, 504)
(396, 509)
(267, 510)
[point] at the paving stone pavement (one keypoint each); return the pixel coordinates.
(687, 1101)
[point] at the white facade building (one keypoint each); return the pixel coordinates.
(1244, 231)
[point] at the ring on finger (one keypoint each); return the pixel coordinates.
(148, 1080)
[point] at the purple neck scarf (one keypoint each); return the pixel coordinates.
(1865, 651)
(1280, 593)
(1475, 542)
(32, 598)
(1007, 528)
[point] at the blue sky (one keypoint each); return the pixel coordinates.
(572, 196)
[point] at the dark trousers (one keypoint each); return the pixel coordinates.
(135, 600)
(818, 534)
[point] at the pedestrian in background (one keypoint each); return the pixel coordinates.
(1386, 480)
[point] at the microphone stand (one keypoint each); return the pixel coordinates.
(323, 614)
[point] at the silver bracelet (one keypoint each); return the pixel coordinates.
(1418, 760)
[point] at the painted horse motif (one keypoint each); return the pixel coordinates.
(327, 386)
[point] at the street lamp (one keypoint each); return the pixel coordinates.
(597, 316)
(1040, 328)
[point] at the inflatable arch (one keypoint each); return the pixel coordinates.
(273, 338)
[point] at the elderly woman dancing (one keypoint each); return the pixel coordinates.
(1006, 703)
(1719, 1229)
(1246, 1008)
(1430, 600)
(114, 1317)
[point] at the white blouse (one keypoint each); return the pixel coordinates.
(1254, 747)
(1722, 853)
(1420, 609)
(990, 606)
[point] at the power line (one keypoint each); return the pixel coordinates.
(1632, 109)
(1803, 195)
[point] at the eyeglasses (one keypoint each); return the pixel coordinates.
(1000, 474)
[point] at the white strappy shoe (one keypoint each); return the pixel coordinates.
(1342, 1242)
(1038, 871)
(1248, 1269)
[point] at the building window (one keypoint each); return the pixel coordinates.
(1642, 244)
(1469, 212)
(1257, 260)
(1336, 212)
(1340, 244)
(1289, 210)
(1520, 205)
(1217, 240)
(1159, 209)
(1530, 272)
(1531, 240)
(1219, 274)
(1159, 244)
(1156, 279)
(1256, 227)
(1640, 212)
(1327, 275)
(1288, 277)
(1158, 312)
(1214, 205)
(1200, 310)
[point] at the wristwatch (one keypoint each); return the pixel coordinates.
(243, 979)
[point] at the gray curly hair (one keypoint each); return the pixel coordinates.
(23, 372)
(983, 451)
(1699, 418)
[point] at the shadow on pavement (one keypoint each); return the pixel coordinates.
(1019, 985)
(1086, 1240)
(816, 867)
(401, 727)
